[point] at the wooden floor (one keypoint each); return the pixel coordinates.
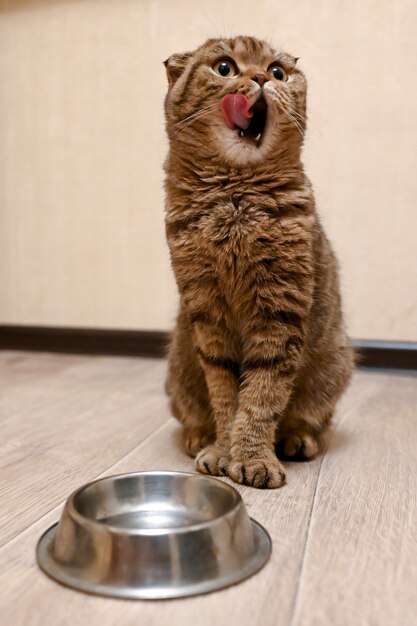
(344, 528)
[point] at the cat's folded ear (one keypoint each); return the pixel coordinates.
(175, 65)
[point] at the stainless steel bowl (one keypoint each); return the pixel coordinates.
(153, 535)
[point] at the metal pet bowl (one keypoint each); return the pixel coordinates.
(153, 535)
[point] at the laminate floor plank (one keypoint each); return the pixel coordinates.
(360, 566)
(70, 424)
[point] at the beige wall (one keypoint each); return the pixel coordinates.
(82, 145)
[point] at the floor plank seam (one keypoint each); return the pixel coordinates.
(62, 502)
(301, 569)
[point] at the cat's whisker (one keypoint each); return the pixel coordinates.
(197, 114)
(295, 113)
(295, 118)
(296, 121)
(285, 99)
(301, 118)
(194, 117)
(295, 124)
(292, 120)
(188, 121)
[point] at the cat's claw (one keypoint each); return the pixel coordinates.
(212, 460)
(260, 473)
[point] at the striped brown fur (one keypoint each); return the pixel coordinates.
(259, 356)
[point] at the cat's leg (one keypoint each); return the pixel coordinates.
(303, 430)
(203, 314)
(223, 387)
(218, 358)
(264, 393)
(187, 388)
(273, 348)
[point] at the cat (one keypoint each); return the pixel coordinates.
(259, 355)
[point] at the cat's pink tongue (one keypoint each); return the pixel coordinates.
(235, 109)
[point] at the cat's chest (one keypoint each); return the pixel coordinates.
(240, 249)
(236, 240)
(235, 228)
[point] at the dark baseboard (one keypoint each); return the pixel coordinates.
(150, 343)
(395, 355)
(371, 354)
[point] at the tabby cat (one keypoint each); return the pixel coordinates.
(259, 355)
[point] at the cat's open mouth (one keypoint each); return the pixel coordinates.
(248, 121)
(255, 130)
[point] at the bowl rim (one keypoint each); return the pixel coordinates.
(97, 525)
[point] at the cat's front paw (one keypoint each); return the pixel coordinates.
(212, 460)
(261, 473)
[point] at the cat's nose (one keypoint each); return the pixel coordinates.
(260, 78)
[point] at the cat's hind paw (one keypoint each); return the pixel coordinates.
(194, 441)
(260, 473)
(297, 446)
(212, 460)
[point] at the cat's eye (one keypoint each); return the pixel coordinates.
(225, 68)
(277, 72)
